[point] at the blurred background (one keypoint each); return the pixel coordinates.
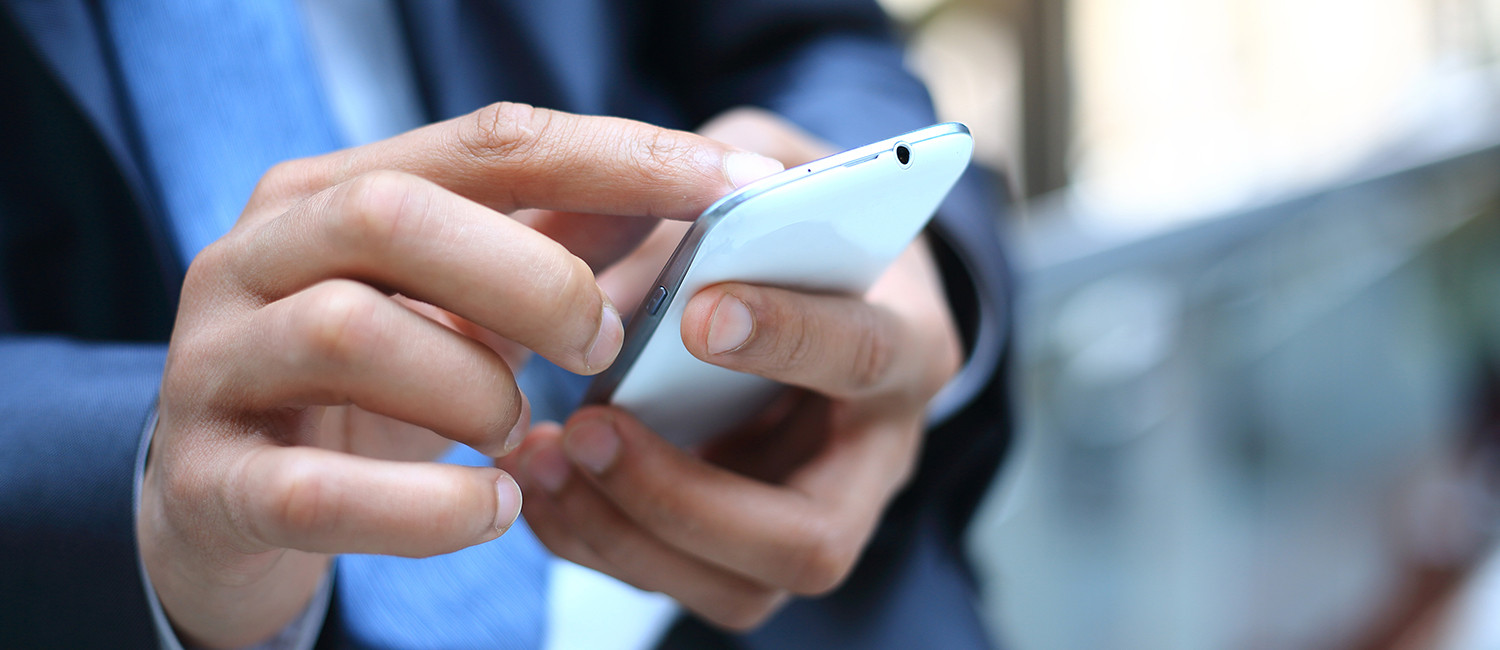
(1259, 327)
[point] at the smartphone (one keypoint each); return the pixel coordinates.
(830, 226)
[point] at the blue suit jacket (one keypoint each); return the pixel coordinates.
(89, 281)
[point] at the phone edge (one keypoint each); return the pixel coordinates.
(603, 386)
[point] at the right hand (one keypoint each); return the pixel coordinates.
(299, 390)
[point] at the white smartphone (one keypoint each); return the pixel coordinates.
(832, 226)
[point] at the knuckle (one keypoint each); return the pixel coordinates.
(874, 352)
(279, 176)
(797, 343)
(666, 157)
(193, 376)
(208, 268)
(179, 486)
(822, 559)
(213, 258)
(302, 500)
(505, 130)
(339, 322)
(288, 178)
(376, 209)
(189, 493)
(663, 151)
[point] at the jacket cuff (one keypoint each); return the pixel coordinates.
(300, 634)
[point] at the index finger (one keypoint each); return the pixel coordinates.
(511, 156)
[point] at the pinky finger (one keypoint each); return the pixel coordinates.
(325, 501)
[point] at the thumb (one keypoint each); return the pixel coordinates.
(325, 501)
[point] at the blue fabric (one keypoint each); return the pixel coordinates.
(492, 596)
(220, 90)
(676, 65)
(210, 121)
(67, 547)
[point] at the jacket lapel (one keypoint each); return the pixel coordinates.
(468, 53)
(67, 37)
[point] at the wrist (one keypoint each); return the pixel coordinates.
(213, 595)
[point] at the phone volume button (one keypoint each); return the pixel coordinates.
(658, 297)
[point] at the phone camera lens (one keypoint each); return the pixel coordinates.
(903, 154)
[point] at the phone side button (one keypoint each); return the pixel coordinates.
(658, 297)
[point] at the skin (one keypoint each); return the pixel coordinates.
(785, 506)
(368, 308)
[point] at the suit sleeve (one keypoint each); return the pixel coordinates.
(72, 417)
(835, 68)
(72, 413)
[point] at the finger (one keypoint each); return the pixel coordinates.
(379, 436)
(766, 133)
(542, 520)
(343, 342)
(513, 156)
(325, 501)
(835, 345)
(541, 517)
(801, 541)
(599, 240)
(580, 525)
(514, 354)
(762, 448)
(402, 232)
(626, 281)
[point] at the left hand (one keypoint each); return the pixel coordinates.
(787, 505)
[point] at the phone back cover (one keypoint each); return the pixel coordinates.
(836, 233)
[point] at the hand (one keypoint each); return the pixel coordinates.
(787, 505)
(299, 390)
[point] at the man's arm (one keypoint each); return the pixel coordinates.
(835, 69)
(72, 410)
(832, 67)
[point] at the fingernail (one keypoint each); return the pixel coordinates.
(549, 468)
(607, 342)
(507, 502)
(730, 326)
(743, 168)
(593, 444)
(523, 426)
